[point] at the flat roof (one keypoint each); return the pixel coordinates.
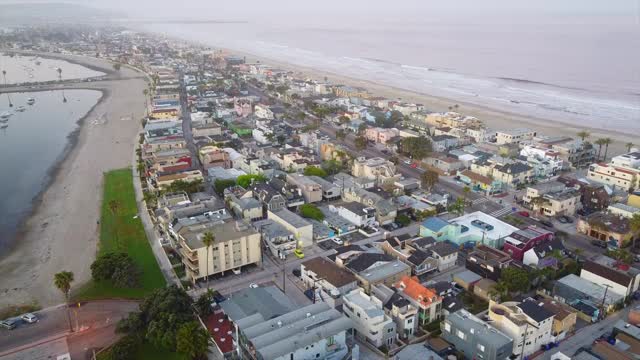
(268, 302)
(500, 228)
(223, 231)
(291, 218)
(462, 319)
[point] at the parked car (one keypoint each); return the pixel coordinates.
(414, 165)
(546, 223)
(384, 151)
(253, 286)
(565, 219)
(599, 243)
(296, 272)
(524, 213)
(298, 253)
(9, 324)
(29, 318)
(408, 162)
(337, 241)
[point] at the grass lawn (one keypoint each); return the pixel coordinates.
(121, 232)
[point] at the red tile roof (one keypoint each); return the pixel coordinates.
(413, 289)
(221, 330)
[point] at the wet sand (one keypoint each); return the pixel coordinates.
(62, 232)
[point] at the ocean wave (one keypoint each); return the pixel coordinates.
(534, 82)
(420, 68)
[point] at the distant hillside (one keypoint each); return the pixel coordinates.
(33, 13)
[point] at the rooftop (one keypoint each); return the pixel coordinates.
(223, 231)
(329, 271)
(462, 319)
(499, 228)
(412, 288)
(268, 302)
(291, 218)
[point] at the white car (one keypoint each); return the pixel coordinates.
(253, 285)
(408, 162)
(29, 318)
(337, 241)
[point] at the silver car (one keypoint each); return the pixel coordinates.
(29, 318)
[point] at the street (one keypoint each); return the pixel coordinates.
(53, 323)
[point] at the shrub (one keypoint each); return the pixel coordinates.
(118, 268)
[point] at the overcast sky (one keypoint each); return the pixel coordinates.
(329, 11)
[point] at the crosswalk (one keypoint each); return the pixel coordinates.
(479, 201)
(501, 212)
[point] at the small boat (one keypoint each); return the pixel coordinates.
(4, 126)
(5, 116)
(31, 101)
(21, 109)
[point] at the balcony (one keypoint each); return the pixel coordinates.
(191, 265)
(191, 255)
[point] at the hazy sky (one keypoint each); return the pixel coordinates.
(358, 11)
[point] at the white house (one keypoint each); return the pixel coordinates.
(357, 213)
(370, 322)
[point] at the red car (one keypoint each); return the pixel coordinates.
(523, 213)
(414, 165)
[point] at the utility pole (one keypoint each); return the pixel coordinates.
(283, 275)
(524, 340)
(606, 289)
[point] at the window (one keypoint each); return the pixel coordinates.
(460, 334)
(447, 327)
(481, 347)
(389, 330)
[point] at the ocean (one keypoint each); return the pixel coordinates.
(581, 74)
(32, 143)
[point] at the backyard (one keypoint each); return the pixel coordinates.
(121, 231)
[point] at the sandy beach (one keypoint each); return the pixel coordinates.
(62, 231)
(494, 119)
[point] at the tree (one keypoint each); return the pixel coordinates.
(634, 224)
(344, 120)
(340, 134)
(629, 145)
(203, 304)
(247, 180)
(457, 207)
(362, 128)
(361, 142)
(332, 167)
(403, 220)
(125, 348)
(208, 240)
(221, 184)
(315, 171)
(311, 211)
(394, 159)
(465, 192)
(161, 314)
(516, 279)
(499, 291)
(119, 268)
(192, 340)
(416, 147)
(621, 255)
(599, 142)
(62, 281)
(584, 134)
(117, 66)
(396, 117)
(606, 142)
(429, 179)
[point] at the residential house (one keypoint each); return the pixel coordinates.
(552, 199)
(428, 303)
(478, 182)
(212, 156)
(236, 245)
(624, 210)
(330, 281)
(163, 181)
(292, 194)
(564, 319)
(381, 135)
(527, 322)
(488, 262)
(575, 152)
(382, 170)
(420, 260)
(373, 268)
(473, 228)
(514, 136)
(403, 313)
(302, 229)
(311, 190)
(386, 211)
(445, 253)
(521, 241)
(610, 228)
(472, 337)
(446, 164)
(513, 173)
(442, 143)
(620, 278)
(585, 296)
(270, 198)
(329, 190)
(243, 204)
(371, 324)
(263, 111)
(545, 254)
(277, 238)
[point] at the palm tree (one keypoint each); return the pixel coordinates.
(606, 142)
(208, 240)
(629, 145)
(465, 191)
(599, 142)
(62, 281)
(584, 134)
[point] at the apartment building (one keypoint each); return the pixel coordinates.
(212, 156)
(475, 338)
(529, 323)
(371, 324)
(311, 190)
(236, 245)
(514, 136)
(521, 241)
(380, 135)
(623, 172)
(382, 170)
(301, 228)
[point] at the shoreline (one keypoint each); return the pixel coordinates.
(494, 118)
(51, 174)
(49, 240)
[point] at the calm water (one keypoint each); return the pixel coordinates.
(584, 73)
(31, 145)
(21, 69)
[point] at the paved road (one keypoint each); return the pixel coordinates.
(53, 322)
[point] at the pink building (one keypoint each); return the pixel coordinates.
(521, 241)
(381, 135)
(242, 107)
